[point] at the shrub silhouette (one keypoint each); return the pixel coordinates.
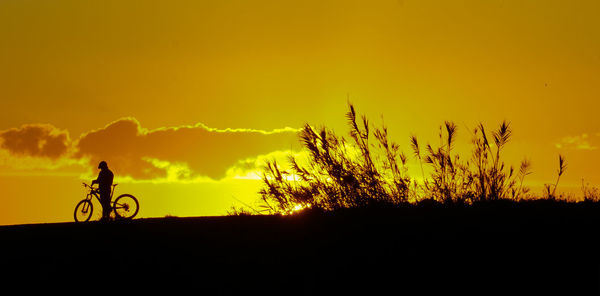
(369, 168)
(340, 174)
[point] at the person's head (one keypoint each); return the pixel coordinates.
(103, 165)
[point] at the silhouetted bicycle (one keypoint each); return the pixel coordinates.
(125, 206)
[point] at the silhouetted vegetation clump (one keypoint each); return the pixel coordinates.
(590, 194)
(369, 169)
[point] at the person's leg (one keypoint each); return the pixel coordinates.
(105, 201)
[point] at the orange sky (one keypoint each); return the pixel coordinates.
(185, 99)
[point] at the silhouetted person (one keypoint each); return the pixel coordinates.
(104, 181)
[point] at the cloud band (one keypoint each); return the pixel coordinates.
(183, 152)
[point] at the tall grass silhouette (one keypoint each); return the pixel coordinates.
(550, 190)
(368, 168)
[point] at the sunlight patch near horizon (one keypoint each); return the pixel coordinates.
(297, 209)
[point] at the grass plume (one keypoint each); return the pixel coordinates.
(369, 168)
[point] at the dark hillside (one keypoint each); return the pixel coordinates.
(501, 247)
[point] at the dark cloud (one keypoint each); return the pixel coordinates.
(38, 140)
(187, 151)
(127, 147)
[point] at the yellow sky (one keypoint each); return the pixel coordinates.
(164, 79)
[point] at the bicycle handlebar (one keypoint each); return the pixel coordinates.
(92, 186)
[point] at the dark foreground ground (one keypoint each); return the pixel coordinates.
(488, 249)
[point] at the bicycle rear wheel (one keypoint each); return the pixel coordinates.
(126, 206)
(83, 211)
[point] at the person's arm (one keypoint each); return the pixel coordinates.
(97, 181)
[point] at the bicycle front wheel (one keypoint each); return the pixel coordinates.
(83, 211)
(126, 206)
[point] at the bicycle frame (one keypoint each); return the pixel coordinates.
(96, 193)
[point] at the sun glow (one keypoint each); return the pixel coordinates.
(297, 209)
